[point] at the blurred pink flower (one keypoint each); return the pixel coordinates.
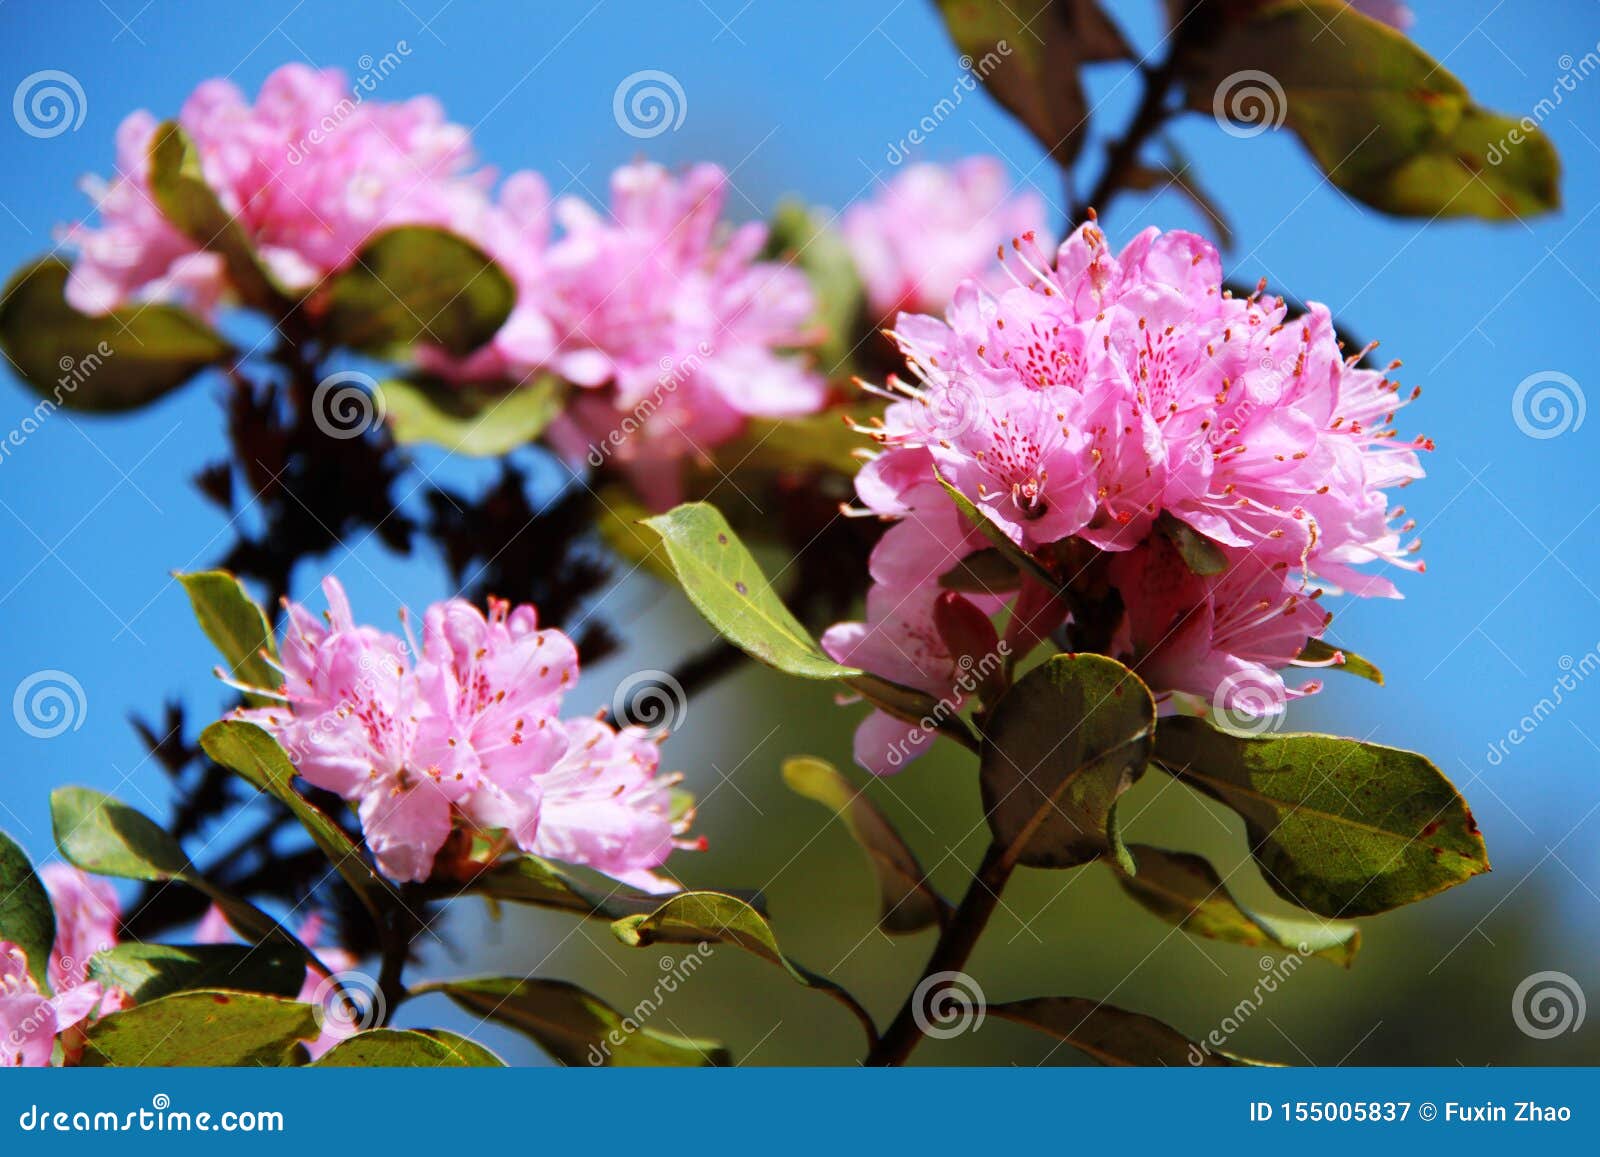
(933, 227)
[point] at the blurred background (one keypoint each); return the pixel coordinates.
(813, 100)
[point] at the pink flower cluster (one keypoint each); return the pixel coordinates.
(1096, 396)
(464, 734)
(670, 323)
(87, 917)
(668, 319)
(932, 228)
(310, 171)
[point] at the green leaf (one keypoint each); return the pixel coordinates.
(416, 284)
(908, 902)
(726, 585)
(1068, 739)
(1185, 890)
(825, 440)
(1110, 1035)
(1200, 554)
(578, 1028)
(1341, 827)
(27, 918)
(546, 884)
(238, 628)
(255, 756)
(1381, 118)
(1028, 53)
(1014, 554)
(718, 918)
(150, 971)
(988, 572)
(178, 186)
(208, 1029)
(799, 236)
(468, 421)
(120, 361)
(393, 1048)
(1323, 653)
(105, 836)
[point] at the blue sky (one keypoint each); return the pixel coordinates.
(94, 514)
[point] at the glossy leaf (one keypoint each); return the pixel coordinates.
(907, 901)
(27, 918)
(988, 572)
(120, 361)
(1014, 554)
(1028, 53)
(418, 285)
(392, 1048)
(718, 918)
(1185, 890)
(1110, 1035)
(466, 421)
(237, 626)
(249, 751)
(726, 585)
(544, 883)
(1068, 739)
(1341, 827)
(578, 1028)
(150, 971)
(1323, 653)
(103, 835)
(178, 186)
(214, 1028)
(1382, 118)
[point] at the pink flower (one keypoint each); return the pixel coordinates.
(1390, 12)
(88, 918)
(88, 921)
(464, 734)
(907, 640)
(1225, 638)
(310, 171)
(1101, 392)
(932, 228)
(676, 319)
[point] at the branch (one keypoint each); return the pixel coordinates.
(956, 942)
(1122, 154)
